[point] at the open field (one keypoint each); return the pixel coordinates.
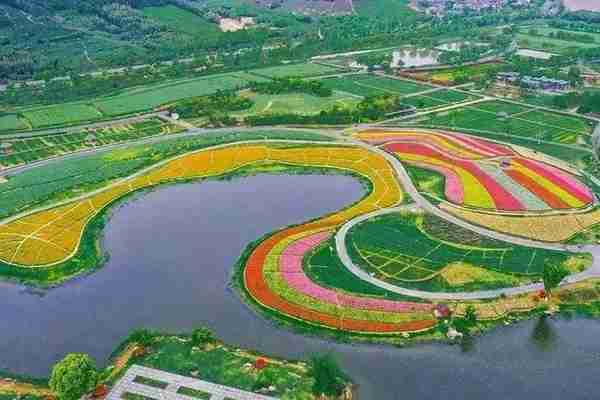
(516, 120)
(373, 85)
(437, 99)
(298, 103)
(181, 20)
(64, 114)
(428, 253)
(298, 70)
(485, 175)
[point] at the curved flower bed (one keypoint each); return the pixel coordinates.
(491, 175)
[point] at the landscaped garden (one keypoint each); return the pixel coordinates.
(427, 253)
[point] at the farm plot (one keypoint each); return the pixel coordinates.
(299, 103)
(405, 249)
(304, 70)
(32, 149)
(11, 122)
(437, 99)
(63, 114)
(181, 20)
(485, 175)
(373, 85)
(151, 98)
(516, 120)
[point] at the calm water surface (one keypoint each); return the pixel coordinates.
(172, 252)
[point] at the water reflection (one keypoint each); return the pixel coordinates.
(543, 335)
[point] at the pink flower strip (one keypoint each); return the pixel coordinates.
(290, 265)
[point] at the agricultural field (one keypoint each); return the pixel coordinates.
(480, 174)
(63, 114)
(424, 252)
(11, 122)
(373, 85)
(180, 20)
(551, 44)
(28, 150)
(146, 99)
(298, 103)
(458, 75)
(515, 120)
(438, 98)
(304, 70)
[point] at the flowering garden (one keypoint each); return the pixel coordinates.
(480, 174)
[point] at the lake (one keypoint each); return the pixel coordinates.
(172, 253)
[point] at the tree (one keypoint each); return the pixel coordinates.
(143, 337)
(74, 376)
(329, 378)
(202, 337)
(471, 315)
(553, 274)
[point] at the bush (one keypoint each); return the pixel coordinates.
(73, 377)
(143, 337)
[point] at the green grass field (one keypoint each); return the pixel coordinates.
(550, 44)
(437, 99)
(11, 122)
(63, 114)
(298, 103)
(373, 85)
(413, 251)
(181, 20)
(145, 99)
(516, 120)
(298, 70)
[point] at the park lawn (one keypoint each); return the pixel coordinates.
(181, 20)
(149, 98)
(298, 70)
(61, 114)
(436, 99)
(297, 103)
(11, 122)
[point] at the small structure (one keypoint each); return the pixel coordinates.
(260, 364)
(174, 116)
(91, 140)
(441, 311)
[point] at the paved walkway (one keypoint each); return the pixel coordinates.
(173, 384)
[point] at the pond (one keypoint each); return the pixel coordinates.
(171, 257)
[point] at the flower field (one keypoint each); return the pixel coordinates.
(484, 175)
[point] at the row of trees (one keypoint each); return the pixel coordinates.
(291, 85)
